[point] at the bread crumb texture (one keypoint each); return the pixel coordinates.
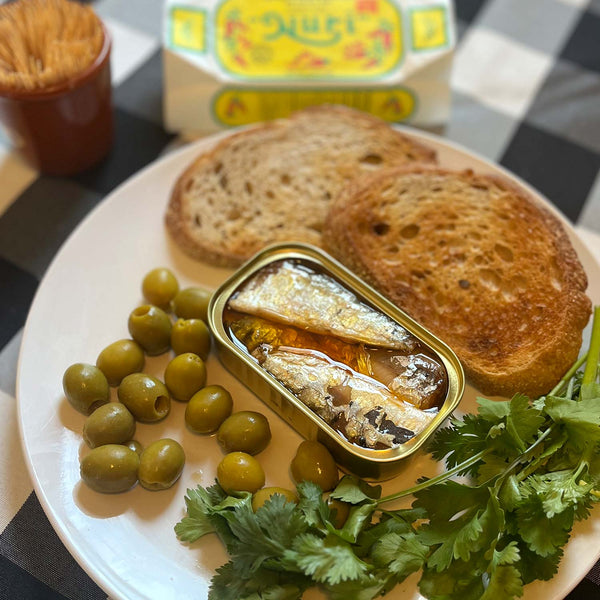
(275, 182)
(474, 259)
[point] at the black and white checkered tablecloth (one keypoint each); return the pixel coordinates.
(526, 93)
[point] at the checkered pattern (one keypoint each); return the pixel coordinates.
(526, 93)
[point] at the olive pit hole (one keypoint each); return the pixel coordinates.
(161, 405)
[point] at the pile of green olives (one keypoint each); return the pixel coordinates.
(170, 319)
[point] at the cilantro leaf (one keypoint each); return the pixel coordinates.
(474, 529)
(580, 419)
(508, 555)
(559, 491)
(370, 535)
(524, 419)
(311, 503)
(327, 560)
(353, 490)
(265, 534)
(504, 584)
(189, 529)
(457, 497)
(533, 566)
(198, 521)
(358, 516)
(462, 440)
(460, 580)
(214, 493)
(442, 536)
(493, 411)
(365, 589)
(491, 467)
(504, 579)
(264, 584)
(542, 534)
(510, 493)
(401, 554)
(280, 519)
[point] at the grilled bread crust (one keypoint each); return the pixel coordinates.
(477, 261)
(274, 182)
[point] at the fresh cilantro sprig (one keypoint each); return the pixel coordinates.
(529, 470)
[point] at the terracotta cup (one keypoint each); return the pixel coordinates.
(63, 129)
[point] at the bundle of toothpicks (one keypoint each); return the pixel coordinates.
(44, 43)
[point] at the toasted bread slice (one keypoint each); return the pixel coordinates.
(474, 259)
(274, 182)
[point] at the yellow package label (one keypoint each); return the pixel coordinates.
(300, 39)
(188, 29)
(429, 28)
(235, 107)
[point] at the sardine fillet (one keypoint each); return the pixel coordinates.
(361, 408)
(298, 296)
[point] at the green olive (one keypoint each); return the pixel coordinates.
(261, 496)
(150, 327)
(191, 335)
(240, 472)
(119, 359)
(85, 387)
(146, 397)
(208, 408)
(342, 510)
(135, 446)
(244, 431)
(185, 375)
(313, 462)
(192, 303)
(111, 423)
(161, 464)
(159, 287)
(111, 468)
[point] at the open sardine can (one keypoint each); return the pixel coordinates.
(335, 359)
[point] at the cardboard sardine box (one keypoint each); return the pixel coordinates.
(366, 463)
(229, 63)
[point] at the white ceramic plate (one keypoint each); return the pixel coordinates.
(126, 542)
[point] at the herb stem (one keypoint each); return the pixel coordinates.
(536, 462)
(568, 375)
(591, 366)
(434, 480)
(584, 461)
